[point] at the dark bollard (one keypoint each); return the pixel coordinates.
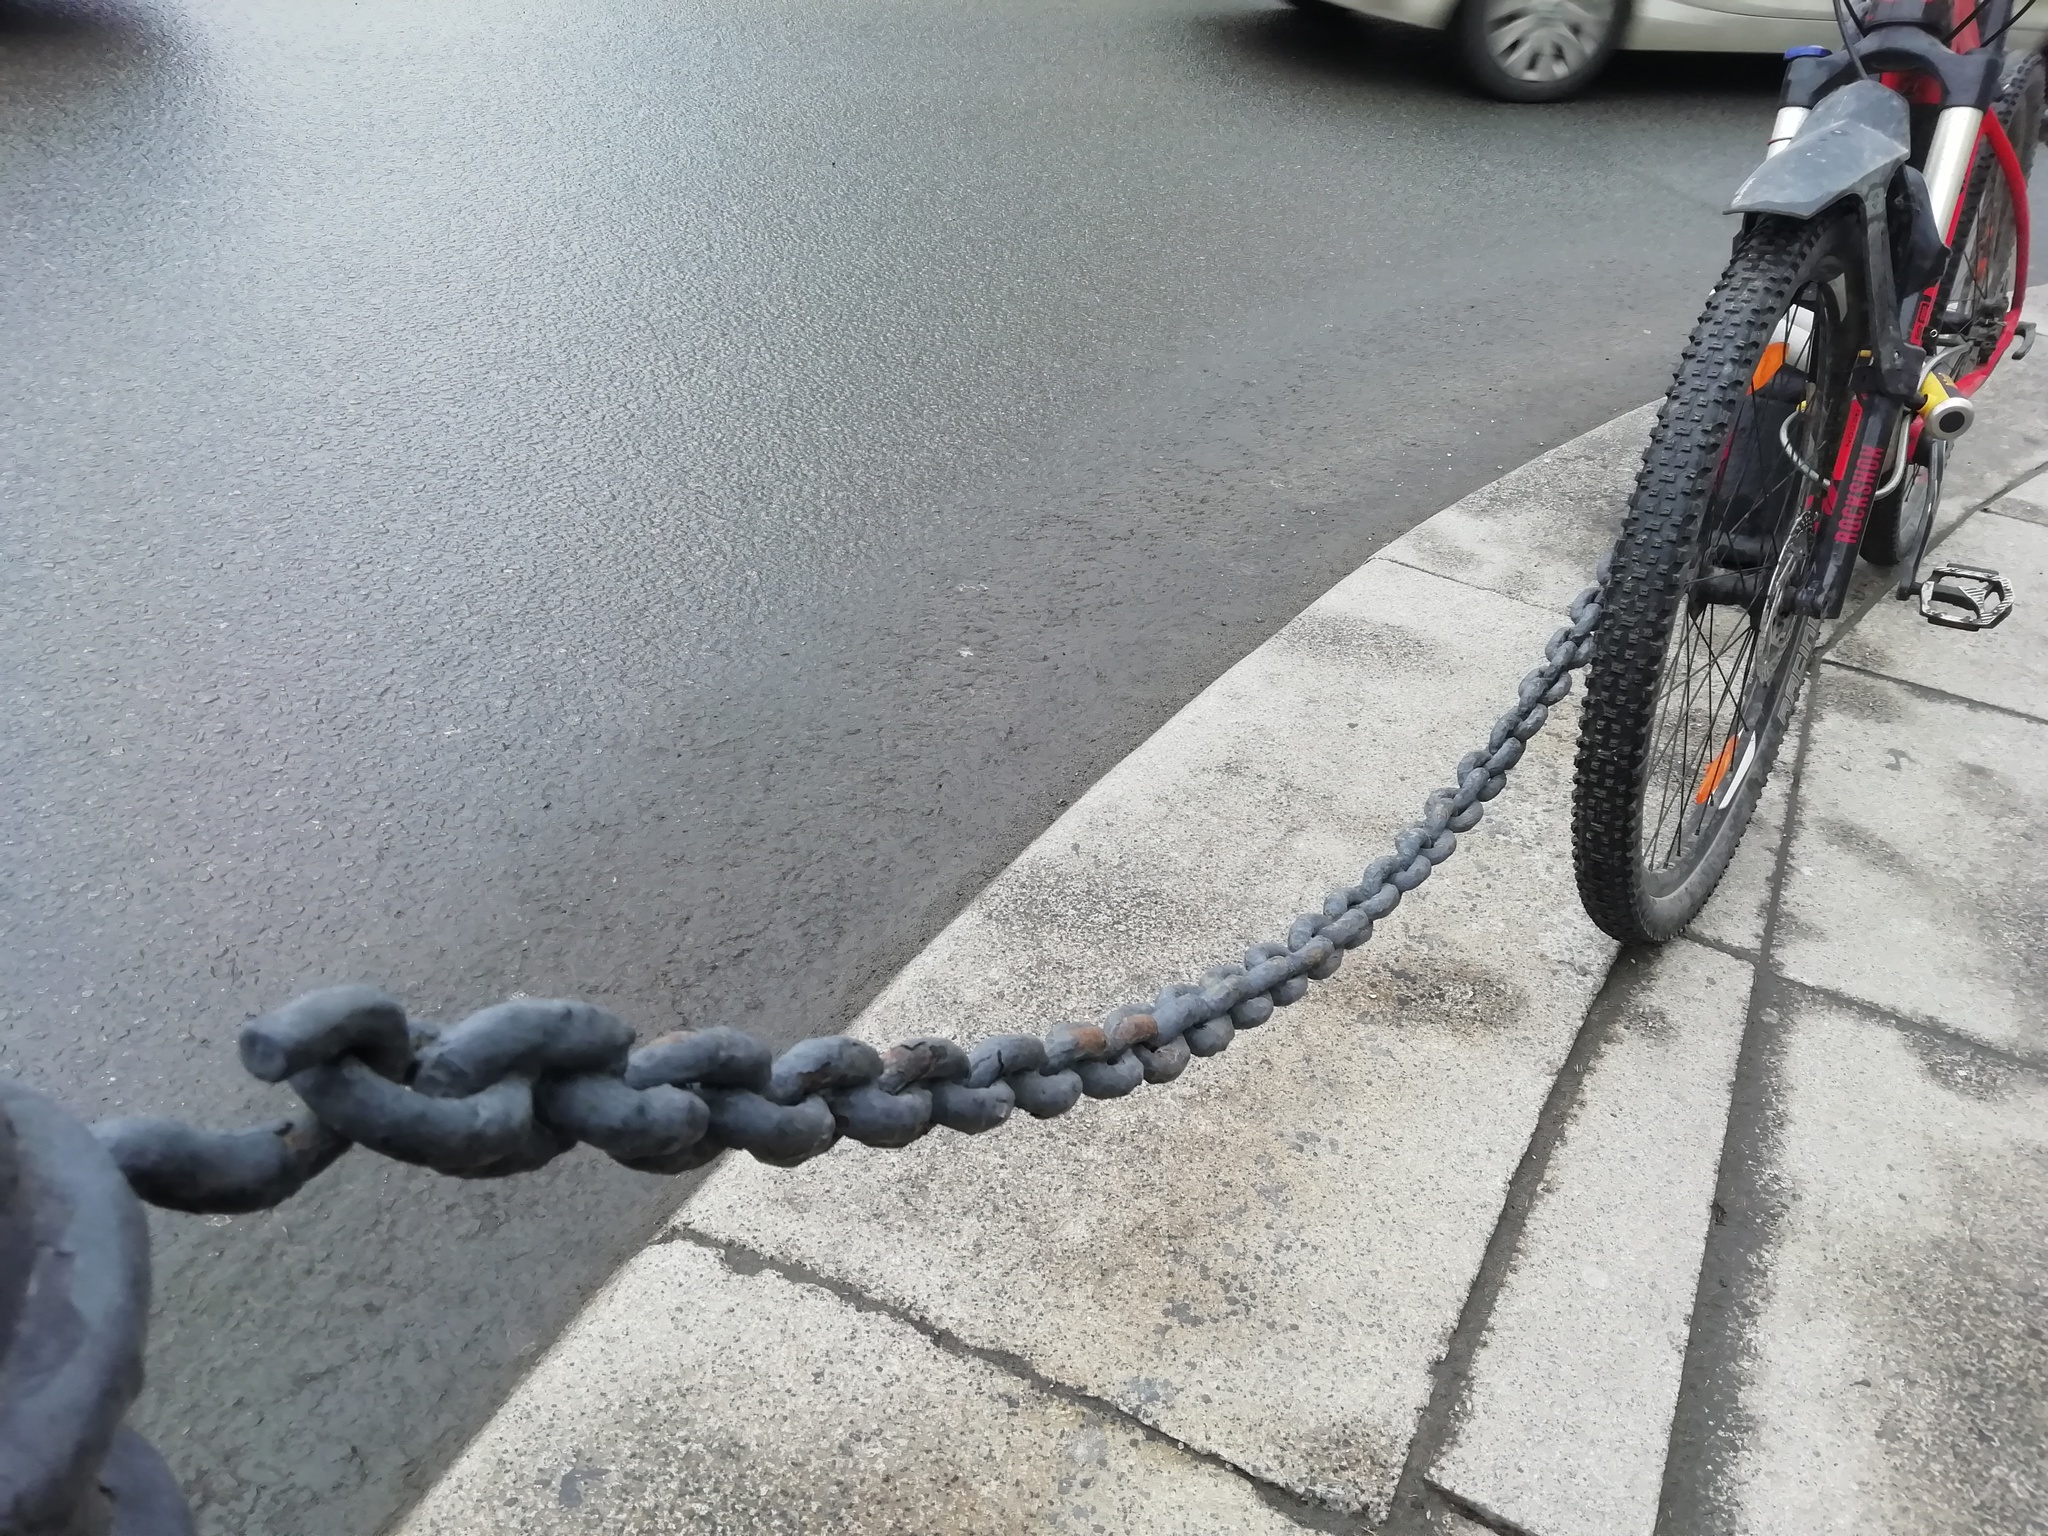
(74, 1310)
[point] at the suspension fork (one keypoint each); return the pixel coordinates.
(1866, 442)
(1886, 381)
(1883, 383)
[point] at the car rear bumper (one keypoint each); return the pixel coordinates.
(1672, 25)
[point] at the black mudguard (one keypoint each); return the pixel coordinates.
(1846, 150)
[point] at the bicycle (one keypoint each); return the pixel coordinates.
(1877, 281)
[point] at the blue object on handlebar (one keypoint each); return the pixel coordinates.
(1809, 51)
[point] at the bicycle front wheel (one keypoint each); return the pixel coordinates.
(1704, 645)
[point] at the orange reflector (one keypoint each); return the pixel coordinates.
(1767, 366)
(1717, 770)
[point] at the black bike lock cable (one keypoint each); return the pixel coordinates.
(1843, 9)
(2015, 16)
(1956, 31)
(1978, 10)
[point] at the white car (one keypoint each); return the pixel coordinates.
(1544, 50)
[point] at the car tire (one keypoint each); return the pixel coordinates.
(1572, 46)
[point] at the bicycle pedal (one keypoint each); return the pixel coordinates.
(1965, 597)
(2022, 342)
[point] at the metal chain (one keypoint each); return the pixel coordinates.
(516, 1085)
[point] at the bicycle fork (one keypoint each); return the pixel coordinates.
(1867, 438)
(1890, 382)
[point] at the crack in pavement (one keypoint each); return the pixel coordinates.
(743, 1260)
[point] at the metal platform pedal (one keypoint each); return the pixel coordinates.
(1965, 597)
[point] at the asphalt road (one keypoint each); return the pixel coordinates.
(658, 503)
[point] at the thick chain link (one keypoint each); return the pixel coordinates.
(518, 1084)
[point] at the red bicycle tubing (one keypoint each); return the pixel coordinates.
(2008, 163)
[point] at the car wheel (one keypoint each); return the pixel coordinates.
(1538, 50)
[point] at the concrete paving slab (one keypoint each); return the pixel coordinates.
(694, 1398)
(1568, 1405)
(2007, 666)
(1537, 533)
(2027, 501)
(1265, 1259)
(1893, 1379)
(1916, 877)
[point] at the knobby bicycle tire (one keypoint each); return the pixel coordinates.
(1661, 544)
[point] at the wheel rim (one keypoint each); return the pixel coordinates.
(1916, 508)
(1980, 285)
(1921, 496)
(1544, 41)
(1738, 633)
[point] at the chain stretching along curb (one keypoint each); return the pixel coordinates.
(516, 1085)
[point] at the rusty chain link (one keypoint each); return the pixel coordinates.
(516, 1085)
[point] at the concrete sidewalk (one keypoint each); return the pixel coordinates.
(1494, 1232)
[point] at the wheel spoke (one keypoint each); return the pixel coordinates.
(1724, 656)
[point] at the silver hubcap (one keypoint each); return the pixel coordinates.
(1545, 40)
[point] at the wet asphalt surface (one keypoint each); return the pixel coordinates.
(658, 503)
